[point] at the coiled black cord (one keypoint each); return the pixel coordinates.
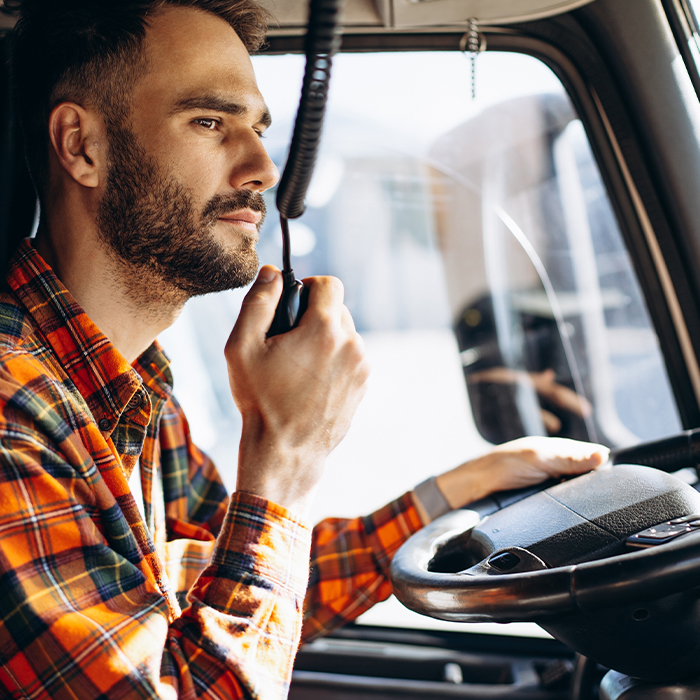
(322, 41)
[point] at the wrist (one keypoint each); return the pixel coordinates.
(469, 482)
(429, 500)
(278, 472)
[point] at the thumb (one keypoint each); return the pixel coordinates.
(258, 308)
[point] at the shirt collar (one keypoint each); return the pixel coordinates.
(153, 365)
(101, 374)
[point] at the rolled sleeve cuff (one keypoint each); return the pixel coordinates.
(260, 544)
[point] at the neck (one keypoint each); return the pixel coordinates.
(130, 309)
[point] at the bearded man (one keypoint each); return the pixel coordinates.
(142, 124)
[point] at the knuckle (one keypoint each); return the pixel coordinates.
(356, 349)
(331, 284)
(327, 341)
(356, 358)
(237, 349)
(530, 454)
(232, 345)
(336, 285)
(364, 371)
(256, 297)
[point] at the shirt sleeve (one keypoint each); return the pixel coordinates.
(350, 562)
(78, 617)
(350, 559)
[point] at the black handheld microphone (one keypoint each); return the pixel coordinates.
(322, 40)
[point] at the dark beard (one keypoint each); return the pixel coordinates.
(148, 220)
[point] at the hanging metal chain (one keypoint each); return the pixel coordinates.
(474, 43)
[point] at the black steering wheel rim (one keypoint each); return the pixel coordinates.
(529, 596)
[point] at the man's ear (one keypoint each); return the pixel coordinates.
(79, 141)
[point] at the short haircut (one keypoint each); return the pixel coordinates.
(92, 52)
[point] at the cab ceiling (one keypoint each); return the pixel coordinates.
(362, 15)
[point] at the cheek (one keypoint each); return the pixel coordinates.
(202, 173)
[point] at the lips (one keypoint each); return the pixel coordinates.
(246, 216)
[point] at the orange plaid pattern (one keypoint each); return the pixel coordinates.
(201, 597)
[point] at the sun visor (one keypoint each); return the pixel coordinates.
(291, 15)
(431, 13)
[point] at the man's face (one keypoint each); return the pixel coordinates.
(182, 203)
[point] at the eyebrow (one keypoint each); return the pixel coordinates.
(218, 104)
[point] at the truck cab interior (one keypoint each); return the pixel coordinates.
(510, 192)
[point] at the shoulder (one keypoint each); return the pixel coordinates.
(15, 324)
(32, 381)
(24, 353)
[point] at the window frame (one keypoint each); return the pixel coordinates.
(686, 30)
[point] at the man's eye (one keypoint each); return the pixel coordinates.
(209, 124)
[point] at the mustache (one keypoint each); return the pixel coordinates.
(222, 204)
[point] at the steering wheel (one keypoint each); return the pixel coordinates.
(606, 562)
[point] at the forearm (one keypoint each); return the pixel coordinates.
(350, 562)
(281, 471)
(461, 486)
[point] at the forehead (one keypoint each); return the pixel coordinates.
(189, 51)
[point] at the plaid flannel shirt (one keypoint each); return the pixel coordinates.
(202, 596)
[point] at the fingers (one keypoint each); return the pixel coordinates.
(581, 464)
(325, 305)
(558, 456)
(576, 457)
(499, 375)
(530, 460)
(258, 308)
(597, 457)
(327, 311)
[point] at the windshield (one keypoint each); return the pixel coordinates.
(482, 264)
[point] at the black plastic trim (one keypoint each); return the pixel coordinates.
(365, 662)
(634, 42)
(473, 642)
(681, 19)
(344, 686)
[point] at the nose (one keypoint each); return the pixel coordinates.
(255, 170)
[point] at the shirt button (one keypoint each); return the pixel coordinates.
(105, 425)
(135, 401)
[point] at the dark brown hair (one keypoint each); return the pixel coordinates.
(91, 52)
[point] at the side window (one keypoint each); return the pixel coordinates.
(482, 264)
